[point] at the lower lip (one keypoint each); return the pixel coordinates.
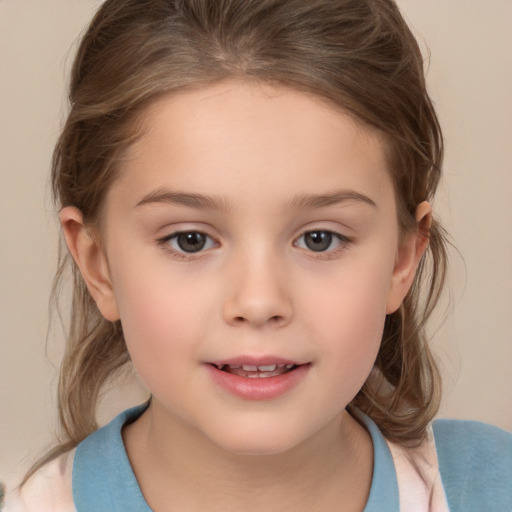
(264, 388)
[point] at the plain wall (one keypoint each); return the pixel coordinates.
(470, 79)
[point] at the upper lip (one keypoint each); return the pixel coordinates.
(254, 361)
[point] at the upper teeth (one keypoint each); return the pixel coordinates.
(254, 368)
(251, 368)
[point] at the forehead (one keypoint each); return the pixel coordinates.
(253, 138)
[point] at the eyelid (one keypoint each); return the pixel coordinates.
(344, 241)
(177, 252)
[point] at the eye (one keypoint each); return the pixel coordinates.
(189, 241)
(321, 240)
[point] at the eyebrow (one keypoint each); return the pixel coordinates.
(197, 201)
(216, 203)
(312, 201)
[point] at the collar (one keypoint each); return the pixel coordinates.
(103, 478)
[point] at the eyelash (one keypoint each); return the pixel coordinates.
(326, 254)
(180, 253)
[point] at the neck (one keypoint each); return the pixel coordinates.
(178, 468)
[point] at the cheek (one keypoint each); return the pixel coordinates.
(354, 297)
(350, 317)
(160, 318)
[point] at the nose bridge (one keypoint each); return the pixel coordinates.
(258, 294)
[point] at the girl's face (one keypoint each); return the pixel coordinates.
(252, 226)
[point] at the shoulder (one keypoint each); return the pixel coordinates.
(47, 490)
(467, 445)
(475, 462)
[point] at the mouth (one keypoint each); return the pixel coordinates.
(262, 378)
(256, 371)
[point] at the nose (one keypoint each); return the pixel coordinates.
(259, 294)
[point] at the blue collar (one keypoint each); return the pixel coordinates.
(103, 478)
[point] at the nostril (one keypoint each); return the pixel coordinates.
(273, 319)
(257, 313)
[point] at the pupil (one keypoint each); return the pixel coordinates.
(191, 242)
(318, 240)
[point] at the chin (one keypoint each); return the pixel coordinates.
(257, 447)
(257, 441)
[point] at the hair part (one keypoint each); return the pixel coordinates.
(358, 55)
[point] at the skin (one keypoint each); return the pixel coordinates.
(255, 289)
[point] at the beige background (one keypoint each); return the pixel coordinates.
(470, 77)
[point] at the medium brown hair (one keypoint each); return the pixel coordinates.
(358, 55)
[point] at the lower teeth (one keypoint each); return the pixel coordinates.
(258, 374)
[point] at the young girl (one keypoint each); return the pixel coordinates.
(244, 191)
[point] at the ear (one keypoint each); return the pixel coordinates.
(91, 261)
(408, 257)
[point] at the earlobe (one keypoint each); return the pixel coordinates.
(408, 257)
(90, 259)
